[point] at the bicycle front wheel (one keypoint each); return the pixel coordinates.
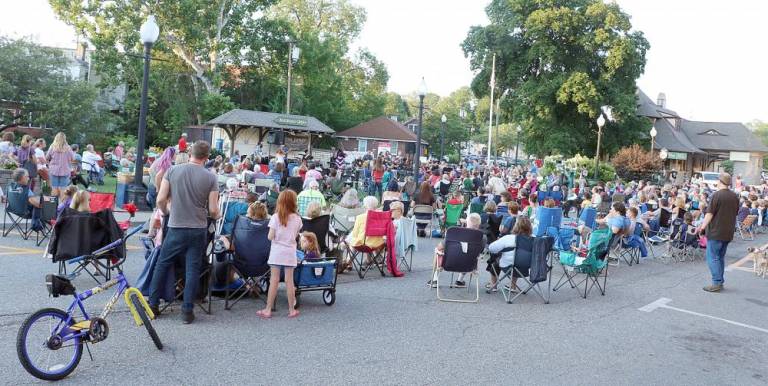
(145, 319)
(42, 349)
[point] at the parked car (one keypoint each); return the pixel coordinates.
(707, 178)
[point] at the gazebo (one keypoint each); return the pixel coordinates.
(247, 129)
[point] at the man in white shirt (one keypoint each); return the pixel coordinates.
(497, 184)
(91, 164)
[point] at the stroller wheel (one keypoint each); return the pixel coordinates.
(329, 297)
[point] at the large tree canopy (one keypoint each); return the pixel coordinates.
(37, 80)
(559, 61)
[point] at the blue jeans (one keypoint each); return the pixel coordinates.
(187, 242)
(716, 259)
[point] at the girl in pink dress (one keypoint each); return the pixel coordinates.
(284, 227)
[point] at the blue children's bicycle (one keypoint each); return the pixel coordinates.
(50, 341)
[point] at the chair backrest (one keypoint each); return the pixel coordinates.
(377, 223)
(319, 226)
(664, 217)
(547, 218)
(249, 238)
(494, 223)
(444, 188)
(49, 206)
(423, 210)
(385, 205)
(101, 201)
(600, 241)
(261, 185)
(304, 201)
(476, 207)
(587, 217)
(749, 221)
(523, 252)
(453, 213)
(408, 225)
(295, 183)
(564, 238)
(344, 218)
(502, 210)
(18, 200)
(462, 248)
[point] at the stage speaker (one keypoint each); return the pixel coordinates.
(276, 138)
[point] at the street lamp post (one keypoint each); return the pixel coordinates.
(417, 159)
(653, 137)
(293, 56)
(600, 124)
(137, 193)
(443, 119)
(517, 147)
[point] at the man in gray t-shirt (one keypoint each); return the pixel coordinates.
(191, 191)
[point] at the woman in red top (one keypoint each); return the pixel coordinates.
(378, 174)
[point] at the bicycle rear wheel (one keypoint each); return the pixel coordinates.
(41, 349)
(145, 319)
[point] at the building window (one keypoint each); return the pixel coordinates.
(362, 145)
(413, 127)
(394, 147)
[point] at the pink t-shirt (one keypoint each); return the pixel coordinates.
(283, 251)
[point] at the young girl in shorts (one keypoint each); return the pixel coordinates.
(284, 227)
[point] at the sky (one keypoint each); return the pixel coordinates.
(708, 57)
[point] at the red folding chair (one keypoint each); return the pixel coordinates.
(364, 257)
(101, 201)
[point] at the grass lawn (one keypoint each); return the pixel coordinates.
(110, 184)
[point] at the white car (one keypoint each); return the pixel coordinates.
(710, 179)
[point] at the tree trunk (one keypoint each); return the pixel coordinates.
(196, 87)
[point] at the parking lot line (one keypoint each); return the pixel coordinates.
(18, 251)
(664, 303)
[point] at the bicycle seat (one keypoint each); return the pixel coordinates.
(59, 285)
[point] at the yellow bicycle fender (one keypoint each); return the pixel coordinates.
(143, 302)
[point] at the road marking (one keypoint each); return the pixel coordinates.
(19, 251)
(664, 303)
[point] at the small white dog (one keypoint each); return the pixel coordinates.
(760, 261)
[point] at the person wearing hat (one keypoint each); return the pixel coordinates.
(719, 224)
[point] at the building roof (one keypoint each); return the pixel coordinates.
(723, 136)
(381, 128)
(672, 139)
(646, 107)
(262, 119)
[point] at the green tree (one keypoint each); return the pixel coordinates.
(561, 60)
(37, 78)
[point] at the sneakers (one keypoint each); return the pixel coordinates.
(155, 310)
(187, 317)
(460, 284)
(713, 288)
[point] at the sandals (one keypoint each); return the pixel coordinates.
(293, 315)
(263, 314)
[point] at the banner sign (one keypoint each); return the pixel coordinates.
(291, 121)
(297, 142)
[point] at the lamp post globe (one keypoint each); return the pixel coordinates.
(604, 111)
(137, 193)
(653, 137)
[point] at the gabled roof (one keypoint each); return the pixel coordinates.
(725, 136)
(381, 128)
(646, 107)
(673, 139)
(262, 119)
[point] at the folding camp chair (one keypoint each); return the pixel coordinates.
(18, 211)
(406, 242)
(261, 185)
(592, 263)
(100, 201)
(248, 261)
(49, 206)
(463, 246)
(547, 218)
(424, 215)
(319, 226)
(524, 265)
(295, 183)
(452, 215)
(364, 257)
(79, 234)
(304, 201)
(476, 207)
(492, 227)
(630, 254)
(343, 219)
(746, 228)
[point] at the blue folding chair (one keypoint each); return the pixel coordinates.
(588, 217)
(547, 218)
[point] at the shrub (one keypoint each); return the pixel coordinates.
(634, 163)
(727, 166)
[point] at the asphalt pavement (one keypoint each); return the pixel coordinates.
(394, 331)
